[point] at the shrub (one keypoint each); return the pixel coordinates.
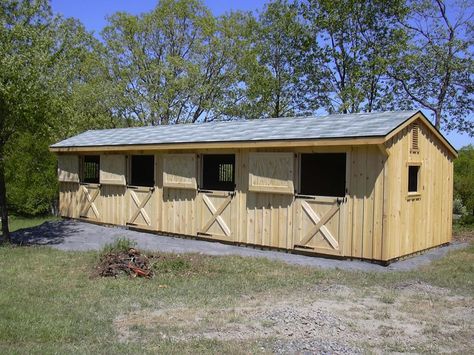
(121, 245)
(458, 207)
(464, 177)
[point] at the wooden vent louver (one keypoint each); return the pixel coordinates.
(414, 138)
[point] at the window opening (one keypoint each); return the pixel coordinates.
(91, 169)
(143, 170)
(323, 174)
(413, 172)
(218, 172)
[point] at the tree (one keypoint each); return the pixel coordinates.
(352, 42)
(42, 59)
(273, 74)
(435, 71)
(24, 53)
(464, 177)
(173, 64)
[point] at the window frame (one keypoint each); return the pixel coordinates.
(298, 191)
(82, 178)
(202, 185)
(130, 181)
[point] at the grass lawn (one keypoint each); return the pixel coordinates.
(49, 303)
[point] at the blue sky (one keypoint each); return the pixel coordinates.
(93, 13)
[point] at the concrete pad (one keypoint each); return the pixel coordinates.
(73, 235)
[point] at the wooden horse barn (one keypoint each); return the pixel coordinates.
(373, 186)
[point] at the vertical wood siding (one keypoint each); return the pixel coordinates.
(376, 219)
(417, 222)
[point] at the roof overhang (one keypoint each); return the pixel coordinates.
(315, 142)
(225, 145)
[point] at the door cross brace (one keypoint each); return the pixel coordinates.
(140, 207)
(90, 202)
(319, 224)
(216, 214)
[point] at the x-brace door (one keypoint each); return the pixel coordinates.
(318, 224)
(139, 200)
(90, 193)
(216, 214)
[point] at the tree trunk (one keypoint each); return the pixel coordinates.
(3, 201)
(438, 119)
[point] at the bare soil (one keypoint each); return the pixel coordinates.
(411, 317)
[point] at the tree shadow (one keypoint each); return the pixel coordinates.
(48, 233)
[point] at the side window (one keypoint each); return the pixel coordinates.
(323, 174)
(218, 172)
(142, 170)
(90, 169)
(413, 177)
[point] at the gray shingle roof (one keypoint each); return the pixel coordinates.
(315, 127)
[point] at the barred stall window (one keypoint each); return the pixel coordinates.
(90, 169)
(323, 174)
(143, 170)
(218, 172)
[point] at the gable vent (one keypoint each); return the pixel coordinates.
(414, 138)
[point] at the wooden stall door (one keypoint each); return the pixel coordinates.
(141, 207)
(89, 202)
(179, 194)
(217, 214)
(318, 223)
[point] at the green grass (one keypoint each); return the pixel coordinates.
(50, 304)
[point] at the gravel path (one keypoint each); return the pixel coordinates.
(73, 235)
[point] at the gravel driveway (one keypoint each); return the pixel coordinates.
(73, 235)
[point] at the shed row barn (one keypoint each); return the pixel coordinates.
(372, 186)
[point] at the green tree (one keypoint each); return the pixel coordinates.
(24, 57)
(352, 43)
(274, 70)
(43, 60)
(172, 65)
(464, 177)
(435, 70)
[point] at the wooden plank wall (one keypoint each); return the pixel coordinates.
(417, 222)
(377, 221)
(259, 218)
(365, 203)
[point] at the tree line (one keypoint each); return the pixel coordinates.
(181, 64)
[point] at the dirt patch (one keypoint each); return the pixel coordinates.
(464, 235)
(412, 317)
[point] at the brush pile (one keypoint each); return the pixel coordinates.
(130, 262)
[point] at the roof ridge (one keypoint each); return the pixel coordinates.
(248, 120)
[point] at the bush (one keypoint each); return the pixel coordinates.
(31, 176)
(458, 207)
(121, 245)
(466, 221)
(464, 177)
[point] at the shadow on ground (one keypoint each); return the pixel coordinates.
(48, 233)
